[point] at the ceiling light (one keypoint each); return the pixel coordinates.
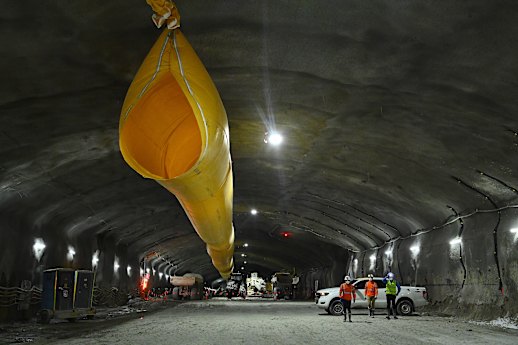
(253, 211)
(244, 262)
(273, 138)
(243, 255)
(245, 245)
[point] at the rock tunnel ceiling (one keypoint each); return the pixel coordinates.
(397, 118)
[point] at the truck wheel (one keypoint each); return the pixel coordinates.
(405, 307)
(336, 308)
(175, 294)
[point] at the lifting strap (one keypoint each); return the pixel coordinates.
(165, 12)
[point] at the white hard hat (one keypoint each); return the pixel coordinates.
(391, 275)
(347, 278)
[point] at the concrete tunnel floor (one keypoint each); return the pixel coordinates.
(219, 321)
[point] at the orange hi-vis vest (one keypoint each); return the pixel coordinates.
(371, 289)
(347, 292)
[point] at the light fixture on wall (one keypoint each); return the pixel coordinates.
(415, 251)
(116, 265)
(455, 241)
(373, 261)
(515, 232)
(71, 253)
(95, 259)
(128, 270)
(253, 211)
(160, 275)
(38, 248)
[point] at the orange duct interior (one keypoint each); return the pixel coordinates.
(162, 134)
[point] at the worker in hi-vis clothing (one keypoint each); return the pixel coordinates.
(371, 292)
(347, 293)
(392, 289)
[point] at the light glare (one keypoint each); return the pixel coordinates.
(38, 248)
(71, 253)
(456, 240)
(116, 264)
(95, 259)
(253, 211)
(274, 139)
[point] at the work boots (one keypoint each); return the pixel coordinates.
(350, 317)
(371, 312)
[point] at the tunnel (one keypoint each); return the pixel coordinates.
(365, 137)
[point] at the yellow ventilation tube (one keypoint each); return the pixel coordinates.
(173, 129)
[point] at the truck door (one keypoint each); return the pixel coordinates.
(381, 301)
(361, 300)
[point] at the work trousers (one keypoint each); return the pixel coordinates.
(346, 304)
(391, 304)
(371, 302)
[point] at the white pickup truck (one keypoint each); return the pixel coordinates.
(409, 298)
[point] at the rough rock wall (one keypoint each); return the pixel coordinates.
(19, 260)
(472, 278)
